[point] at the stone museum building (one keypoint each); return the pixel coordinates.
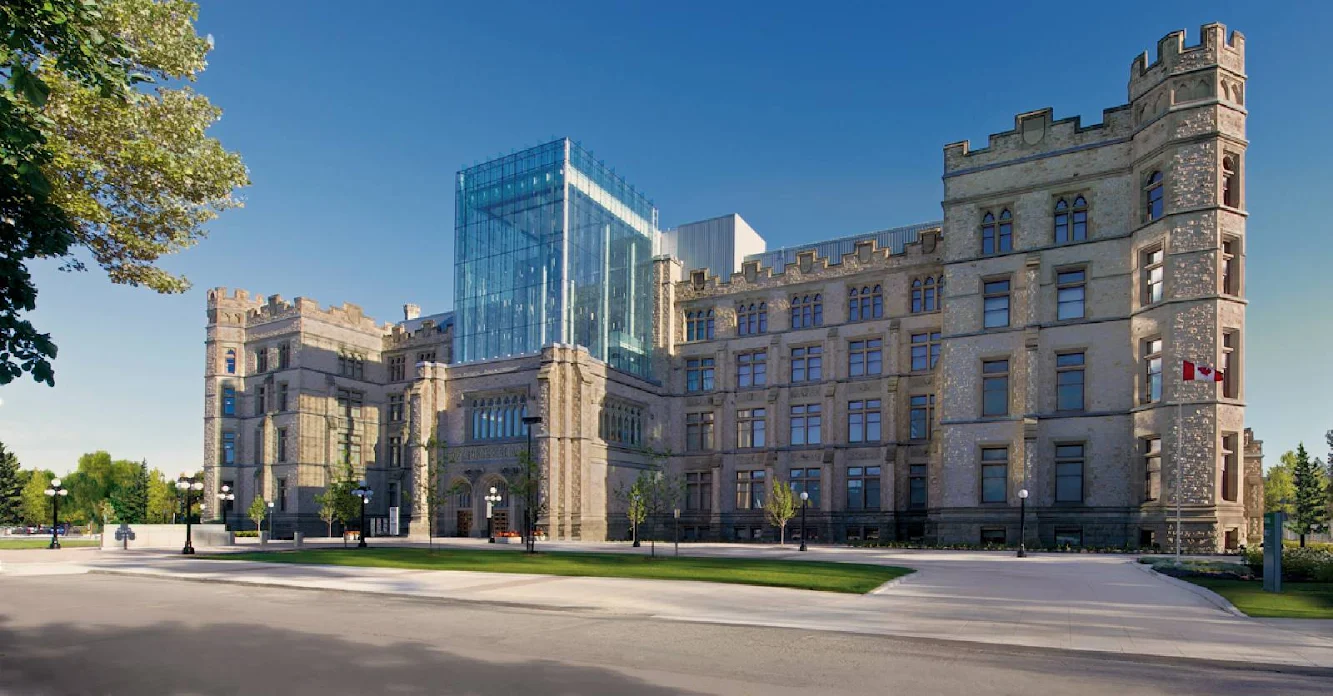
(911, 380)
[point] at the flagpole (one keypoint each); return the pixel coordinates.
(1179, 449)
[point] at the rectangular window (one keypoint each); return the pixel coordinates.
(1152, 468)
(261, 399)
(1230, 468)
(1069, 473)
(261, 360)
(282, 396)
(865, 357)
(925, 351)
(1153, 270)
(916, 486)
(698, 490)
(282, 445)
(396, 408)
(807, 364)
(920, 416)
(996, 303)
(750, 490)
(863, 488)
(750, 427)
(282, 495)
(349, 405)
(284, 356)
(1152, 370)
(395, 452)
(1068, 537)
(699, 432)
(805, 481)
(397, 368)
(1069, 381)
(1070, 289)
(863, 421)
(994, 474)
(806, 420)
(228, 448)
(229, 401)
(699, 374)
(349, 449)
(993, 536)
(1230, 380)
(752, 369)
(995, 387)
(1230, 268)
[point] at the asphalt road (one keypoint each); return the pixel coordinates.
(102, 634)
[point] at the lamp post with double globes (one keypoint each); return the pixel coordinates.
(534, 477)
(225, 499)
(1022, 522)
(805, 503)
(364, 493)
(189, 488)
(55, 492)
(492, 499)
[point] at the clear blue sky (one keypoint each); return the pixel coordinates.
(810, 123)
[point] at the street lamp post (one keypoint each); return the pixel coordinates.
(270, 520)
(188, 487)
(530, 492)
(805, 503)
(56, 492)
(676, 512)
(1022, 522)
(224, 502)
(364, 494)
(492, 499)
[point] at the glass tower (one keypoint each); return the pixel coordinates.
(551, 246)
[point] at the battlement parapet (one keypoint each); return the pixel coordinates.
(1175, 57)
(1038, 133)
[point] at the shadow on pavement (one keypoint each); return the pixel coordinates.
(230, 658)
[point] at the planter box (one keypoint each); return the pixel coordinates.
(508, 540)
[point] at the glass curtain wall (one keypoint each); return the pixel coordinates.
(553, 247)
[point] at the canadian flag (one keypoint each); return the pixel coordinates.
(1201, 373)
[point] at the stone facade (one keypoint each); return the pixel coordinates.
(1037, 349)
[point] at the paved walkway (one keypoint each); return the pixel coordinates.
(1077, 602)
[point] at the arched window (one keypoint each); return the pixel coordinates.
(865, 303)
(1152, 197)
(807, 310)
(997, 235)
(229, 362)
(1230, 181)
(926, 294)
(462, 496)
(699, 325)
(752, 318)
(1071, 222)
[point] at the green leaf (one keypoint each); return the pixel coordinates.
(30, 86)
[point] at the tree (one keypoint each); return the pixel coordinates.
(11, 487)
(130, 498)
(527, 485)
(101, 513)
(327, 509)
(98, 478)
(162, 500)
(258, 511)
(781, 506)
(346, 507)
(1310, 509)
(126, 174)
(1279, 490)
(636, 505)
(433, 492)
(36, 506)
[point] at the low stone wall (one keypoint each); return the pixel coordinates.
(163, 536)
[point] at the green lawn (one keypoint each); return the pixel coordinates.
(43, 542)
(827, 577)
(1298, 600)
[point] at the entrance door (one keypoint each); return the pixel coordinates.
(500, 521)
(464, 523)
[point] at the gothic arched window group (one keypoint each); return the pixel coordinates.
(865, 303)
(621, 423)
(927, 294)
(499, 417)
(752, 318)
(699, 325)
(997, 234)
(807, 310)
(1071, 221)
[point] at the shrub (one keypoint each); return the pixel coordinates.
(249, 533)
(1190, 568)
(1310, 564)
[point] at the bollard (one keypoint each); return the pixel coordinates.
(298, 538)
(263, 538)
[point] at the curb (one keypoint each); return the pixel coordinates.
(1212, 597)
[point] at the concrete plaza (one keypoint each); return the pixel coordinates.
(1104, 604)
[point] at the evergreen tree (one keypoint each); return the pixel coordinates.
(1310, 511)
(11, 488)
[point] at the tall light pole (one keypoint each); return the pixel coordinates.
(492, 500)
(188, 487)
(364, 493)
(270, 520)
(224, 501)
(56, 492)
(530, 491)
(1022, 522)
(805, 503)
(676, 512)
